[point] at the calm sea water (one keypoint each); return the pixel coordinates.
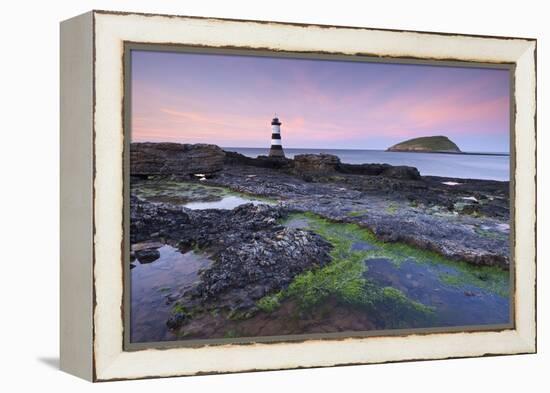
(465, 166)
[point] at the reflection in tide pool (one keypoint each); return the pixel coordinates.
(226, 203)
(455, 305)
(150, 285)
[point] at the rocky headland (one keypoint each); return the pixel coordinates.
(427, 144)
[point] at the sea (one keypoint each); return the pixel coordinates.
(487, 166)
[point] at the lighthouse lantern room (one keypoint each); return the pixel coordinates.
(276, 145)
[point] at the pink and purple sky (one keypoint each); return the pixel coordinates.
(230, 101)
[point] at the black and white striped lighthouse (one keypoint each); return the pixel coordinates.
(276, 146)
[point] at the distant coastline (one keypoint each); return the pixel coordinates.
(472, 153)
(451, 152)
(464, 165)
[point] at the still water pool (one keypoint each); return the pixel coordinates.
(226, 203)
(150, 285)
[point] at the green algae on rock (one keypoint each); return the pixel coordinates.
(347, 277)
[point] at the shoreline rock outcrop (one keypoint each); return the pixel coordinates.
(459, 218)
(385, 170)
(316, 163)
(175, 159)
(322, 164)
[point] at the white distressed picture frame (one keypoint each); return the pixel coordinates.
(92, 142)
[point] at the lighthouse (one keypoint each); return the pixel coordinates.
(276, 146)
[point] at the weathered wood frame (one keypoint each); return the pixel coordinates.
(92, 150)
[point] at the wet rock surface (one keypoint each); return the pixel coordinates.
(234, 158)
(147, 256)
(384, 170)
(253, 254)
(468, 221)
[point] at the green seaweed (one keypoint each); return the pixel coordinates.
(181, 192)
(237, 315)
(398, 311)
(179, 309)
(357, 213)
(343, 279)
(490, 278)
(270, 303)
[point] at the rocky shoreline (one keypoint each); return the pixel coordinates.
(255, 256)
(446, 215)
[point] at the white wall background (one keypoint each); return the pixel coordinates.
(29, 195)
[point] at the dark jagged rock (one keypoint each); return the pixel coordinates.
(386, 170)
(175, 159)
(363, 169)
(425, 213)
(136, 248)
(315, 163)
(261, 256)
(401, 172)
(233, 158)
(147, 255)
(307, 165)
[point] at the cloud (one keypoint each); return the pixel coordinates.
(317, 107)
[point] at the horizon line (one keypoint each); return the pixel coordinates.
(342, 148)
(355, 149)
(330, 148)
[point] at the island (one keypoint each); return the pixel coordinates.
(427, 144)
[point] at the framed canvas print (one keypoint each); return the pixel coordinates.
(247, 195)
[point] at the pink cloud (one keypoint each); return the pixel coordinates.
(310, 114)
